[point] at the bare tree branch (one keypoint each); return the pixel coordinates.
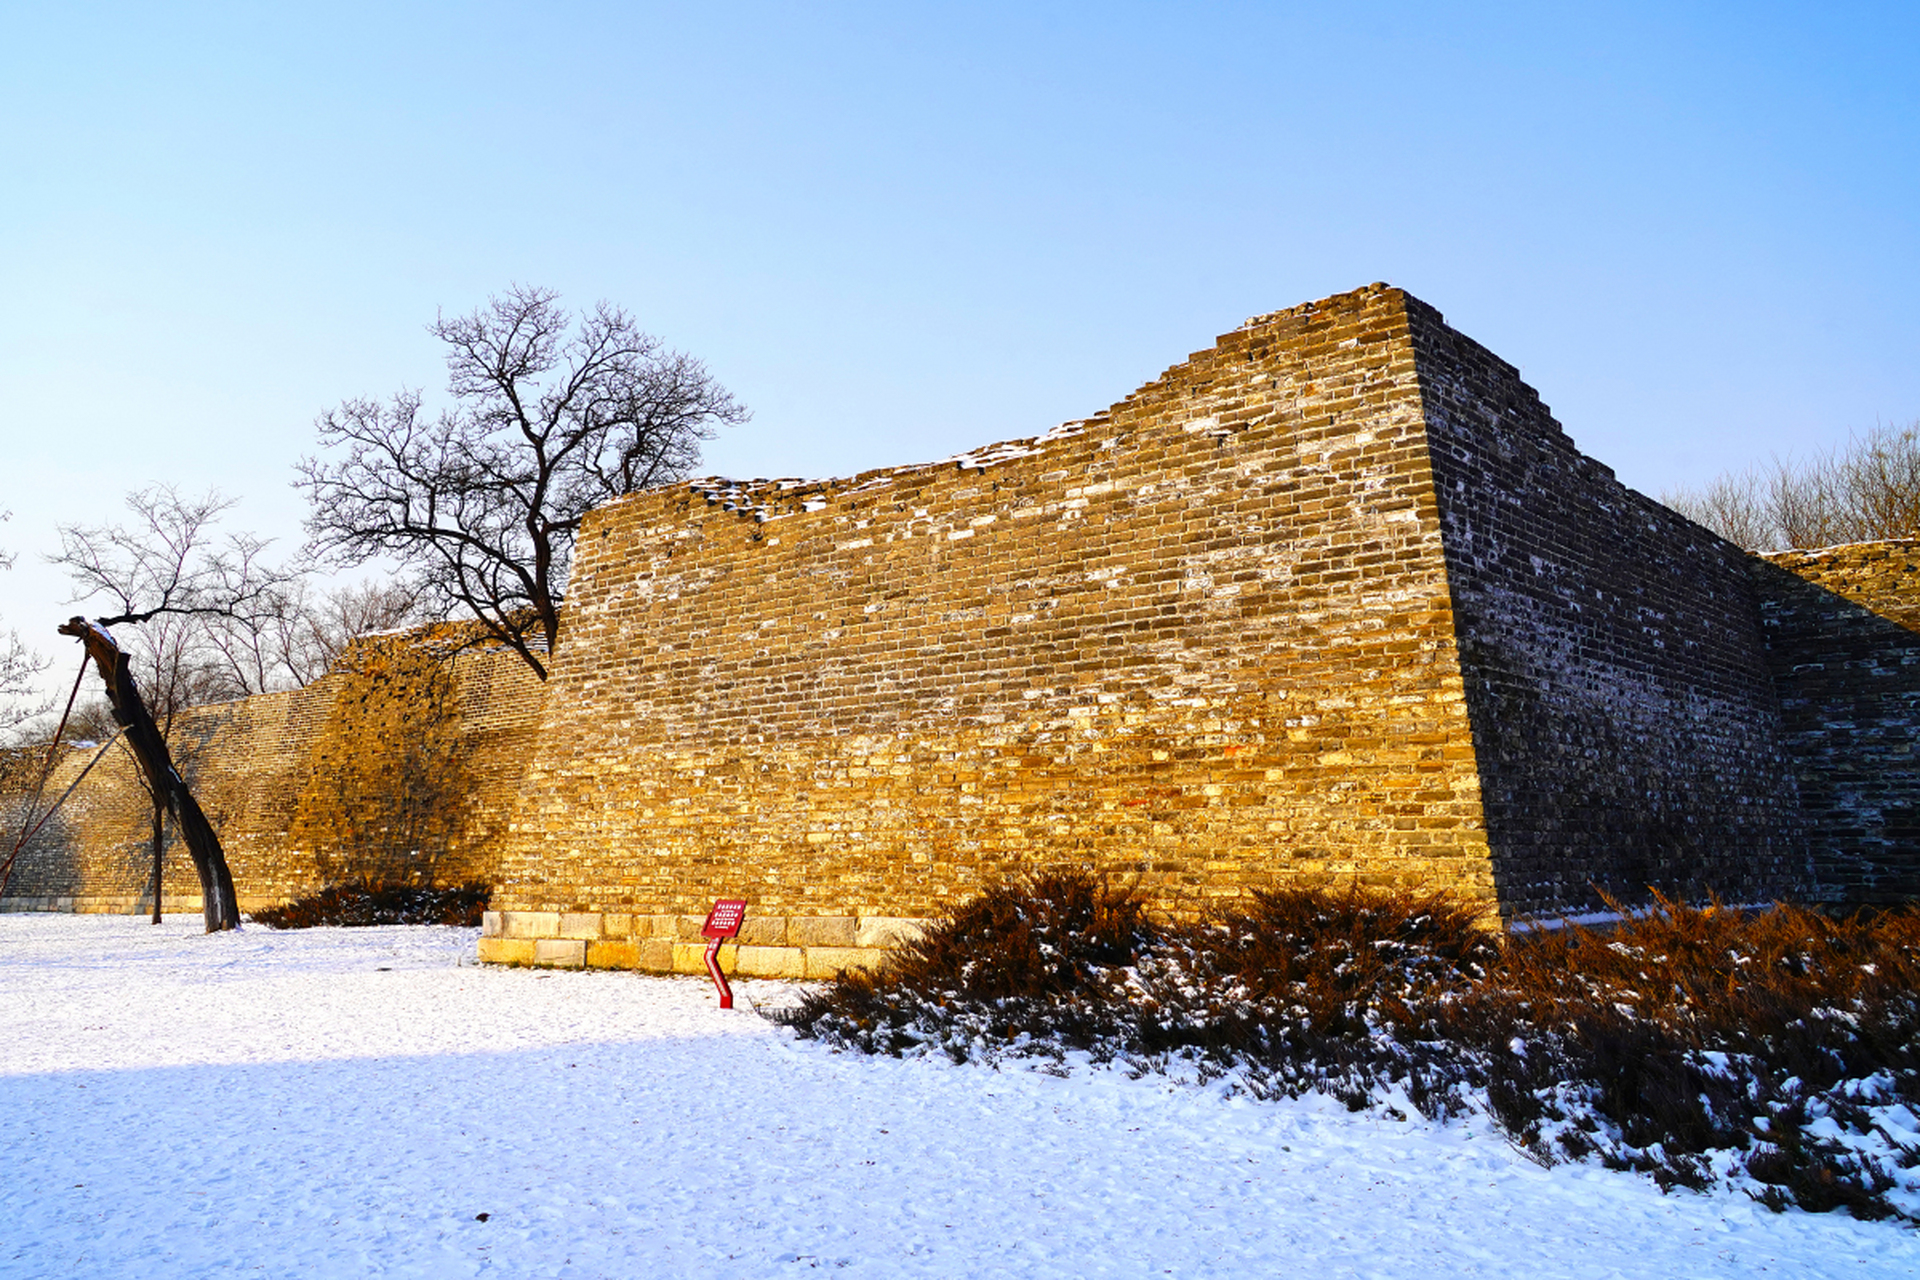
(20, 667)
(298, 640)
(1866, 492)
(190, 592)
(551, 418)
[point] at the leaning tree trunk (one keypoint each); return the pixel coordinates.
(221, 908)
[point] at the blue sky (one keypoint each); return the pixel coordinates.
(897, 231)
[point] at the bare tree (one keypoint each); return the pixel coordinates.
(297, 637)
(1880, 476)
(178, 581)
(1808, 503)
(1733, 506)
(1868, 491)
(179, 586)
(20, 667)
(551, 417)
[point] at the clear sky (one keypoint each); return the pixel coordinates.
(897, 231)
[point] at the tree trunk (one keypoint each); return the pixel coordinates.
(159, 847)
(221, 907)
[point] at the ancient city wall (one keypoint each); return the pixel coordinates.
(393, 764)
(1201, 642)
(1627, 731)
(1846, 661)
(415, 769)
(1333, 600)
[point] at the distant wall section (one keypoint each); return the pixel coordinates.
(1846, 661)
(397, 763)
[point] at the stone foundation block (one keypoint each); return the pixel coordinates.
(530, 924)
(827, 962)
(604, 954)
(763, 931)
(822, 931)
(562, 953)
(772, 962)
(506, 950)
(580, 924)
(771, 946)
(691, 957)
(887, 931)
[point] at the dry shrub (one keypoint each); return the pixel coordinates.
(1685, 1032)
(371, 902)
(1773, 1049)
(1021, 963)
(1312, 989)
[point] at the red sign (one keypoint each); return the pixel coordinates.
(724, 920)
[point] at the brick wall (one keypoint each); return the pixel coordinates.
(1628, 734)
(1847, 666)
(1201, 641)
(95, 854)
(90, 855)
(1332, 600)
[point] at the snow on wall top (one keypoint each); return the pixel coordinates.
(764, 499)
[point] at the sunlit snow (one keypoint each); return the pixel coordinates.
(349, 1102)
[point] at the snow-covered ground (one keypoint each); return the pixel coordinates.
(351, 1102)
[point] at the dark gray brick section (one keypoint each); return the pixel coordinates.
(1848, 672)
(1627, 733)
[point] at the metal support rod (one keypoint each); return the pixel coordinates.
(719, 978)
(53, 753)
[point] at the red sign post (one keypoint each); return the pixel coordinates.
(723, 922)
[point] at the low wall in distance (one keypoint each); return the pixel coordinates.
(395, 764)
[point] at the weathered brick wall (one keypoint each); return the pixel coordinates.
(1628, 734)
(393, 764)
(417, 763)
(1201, 641)
(91, 849)
(1333, 600)
(1846, 662)
(95, 854)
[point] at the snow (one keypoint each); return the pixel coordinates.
(1010, 450)
(347, 1102)
(766, 500)
(1594, 919)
